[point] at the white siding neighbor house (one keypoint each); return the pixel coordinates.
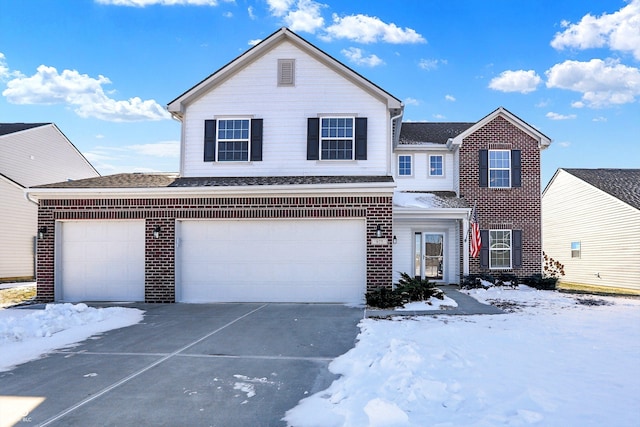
(30, 154)
(591, 224)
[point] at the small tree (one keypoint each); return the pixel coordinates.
(552, 268)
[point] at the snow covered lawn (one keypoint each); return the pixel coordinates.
(553, 360)
(27, 334)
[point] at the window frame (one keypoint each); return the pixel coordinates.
(246, 140)
(441, 175)
(351, 139)
(491, 168)
(410, 174)
(492, 249)
(576, 253)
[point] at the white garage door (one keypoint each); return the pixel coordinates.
(320, 260)
(102, 260)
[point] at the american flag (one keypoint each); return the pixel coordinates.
(476, 243)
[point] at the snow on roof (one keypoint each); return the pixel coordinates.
(431, 200)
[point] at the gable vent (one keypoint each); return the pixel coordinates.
(286, 72)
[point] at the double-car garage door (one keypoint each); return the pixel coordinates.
(305, 260)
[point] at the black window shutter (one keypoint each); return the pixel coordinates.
(516, 250)
(209, 140)
(483, 167)
(484, 249)
(313, 138)
(361, 138)
(516, 168)
(256, 140)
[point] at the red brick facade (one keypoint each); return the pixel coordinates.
(510, 208)
(160, 253)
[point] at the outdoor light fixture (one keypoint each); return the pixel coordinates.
(41, 232)
(156, 232)
(378, 231)
(395, 240)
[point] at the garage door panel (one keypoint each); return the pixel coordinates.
(320, 260)
(102, 260)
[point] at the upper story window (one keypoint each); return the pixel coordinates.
(233, 140)
(436, 165)
(404, 165)
(336, 138)
(499, 168)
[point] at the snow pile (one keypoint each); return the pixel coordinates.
(557, 360)
(26, 334)
(431, 304)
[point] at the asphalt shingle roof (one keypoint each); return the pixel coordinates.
(623, 184)
(7, 128)
(145, 180)
(413, 133)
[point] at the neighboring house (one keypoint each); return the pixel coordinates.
(591, 224)
(287, 192)
(30, 154)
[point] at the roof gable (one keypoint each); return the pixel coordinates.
(543, 140)
(178, 105)
(623, 184)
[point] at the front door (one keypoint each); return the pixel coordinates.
(429, 256)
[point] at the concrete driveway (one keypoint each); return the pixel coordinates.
(190, 365)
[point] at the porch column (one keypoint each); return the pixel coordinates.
(465, 246)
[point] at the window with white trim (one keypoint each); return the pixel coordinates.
(436, 165)
(500, 249)
(233, 140)
(499, 168)
(405, 165)
(336, 138)
(575, 249)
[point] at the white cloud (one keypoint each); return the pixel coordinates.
(228, 15)
(5, 71)
(252, 15)
(307, 17)
(439, 116)
(602, 83)
(109, 160)
(564, 144)
(449, 98)
(144, 3)
(618, 31)
(85, 93)
(599, 119)
(279, 7)
(157, 149)
(411, 101)
(556, 116)
(355, 55)
(431, 64)
(254, 42)
(369, 29)
(516, 81)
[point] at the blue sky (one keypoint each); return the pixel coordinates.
(104, 70)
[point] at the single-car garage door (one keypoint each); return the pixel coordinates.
(102, 260)
(319, 260)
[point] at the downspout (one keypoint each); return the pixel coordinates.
(26, 196)
(394, 138)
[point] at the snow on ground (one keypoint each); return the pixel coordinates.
(27, 334)
(430, 305)
(552, 360)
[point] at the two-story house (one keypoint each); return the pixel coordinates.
(286, 192)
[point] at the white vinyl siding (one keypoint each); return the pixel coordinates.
(41, 155)
(18, 223)
(318, 91)
(420, 179)
(608, 231)
(403, 249)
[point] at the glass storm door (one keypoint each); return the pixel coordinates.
(429, 256)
